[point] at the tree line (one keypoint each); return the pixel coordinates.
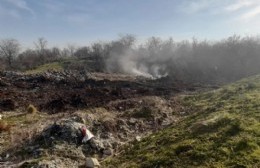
(191, 60)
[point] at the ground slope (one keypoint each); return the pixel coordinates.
(223, 130)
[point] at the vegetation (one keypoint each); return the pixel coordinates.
(31, 109)
(226, 60)
(55, 66)
(222, 131)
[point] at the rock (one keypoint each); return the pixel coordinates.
(1, 117)
(166, 122)
(98, 144)
(108, 151)
(138, 138)
(92, 163)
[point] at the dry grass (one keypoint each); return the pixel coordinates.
(31, 109)
(23, 127)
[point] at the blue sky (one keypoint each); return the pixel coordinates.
(81, 22)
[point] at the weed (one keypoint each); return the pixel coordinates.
(31, 109)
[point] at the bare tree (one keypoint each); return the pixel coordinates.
(97, 52)
(65, 53)
(41, 46)
(83, 52)
(9, 50)
(27, 59)
(71, 48)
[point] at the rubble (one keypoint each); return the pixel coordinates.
(116, 112)
(64, 130)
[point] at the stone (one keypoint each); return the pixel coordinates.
(92, 163)
(108, 151)
(138, 138)
(166, 122)
(96, 144)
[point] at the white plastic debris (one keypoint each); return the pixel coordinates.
(87, 135)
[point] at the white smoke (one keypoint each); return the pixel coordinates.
(130, 64)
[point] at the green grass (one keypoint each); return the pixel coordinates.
(67, 63)
(222, 131)
(55, 66)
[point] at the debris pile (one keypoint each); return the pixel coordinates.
(99, 115)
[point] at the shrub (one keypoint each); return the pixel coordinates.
(31, 109)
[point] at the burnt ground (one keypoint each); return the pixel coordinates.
(55, 92)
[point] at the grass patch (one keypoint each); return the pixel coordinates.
(222, 131)
(55, 66)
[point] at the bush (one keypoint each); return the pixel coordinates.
(31, 109)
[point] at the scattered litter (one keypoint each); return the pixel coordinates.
(87, 135)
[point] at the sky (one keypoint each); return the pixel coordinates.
(81, 22)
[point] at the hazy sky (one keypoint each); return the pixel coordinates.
(83, 21)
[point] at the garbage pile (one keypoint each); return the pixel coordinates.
(74, 132)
